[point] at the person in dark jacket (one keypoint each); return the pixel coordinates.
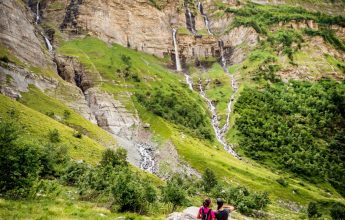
(223, 211)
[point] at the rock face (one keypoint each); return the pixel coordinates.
(135, 24)
(18, 34)
(110, 114)
(188, 214)
(14, 80)
(238, 42)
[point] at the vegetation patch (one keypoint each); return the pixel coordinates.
(298, 127)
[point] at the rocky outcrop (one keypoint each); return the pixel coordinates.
(135, 24)
(187, 214)
(71, 15)
(110, 114)
(70, 70)
(238, 43)
(18, 34)
(14, 80)
(170, 163)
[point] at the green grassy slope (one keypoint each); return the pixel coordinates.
(44, 104)
(37, 128)
(105, 59)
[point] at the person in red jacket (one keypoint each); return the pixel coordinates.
(205, 212)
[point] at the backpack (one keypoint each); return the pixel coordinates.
(205, 216)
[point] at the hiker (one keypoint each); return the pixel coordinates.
(223, 212)
(205, 212)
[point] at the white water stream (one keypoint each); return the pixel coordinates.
(206, 20)
(147, 162)
(177, 56)
(38, 13)
(48, 44)
(191, 20)
(220, 132)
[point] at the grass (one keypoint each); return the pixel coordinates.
(106, 60)
(44, 104)
(203, 155)
(37, 126)
(64, 206)
(5, 53)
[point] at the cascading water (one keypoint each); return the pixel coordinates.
(189, 81)
(177, 57)
(48, 44)
(190, 21)
(222, 56)
(147, 162)
(220, 132)
(206, 20)
(38, 12)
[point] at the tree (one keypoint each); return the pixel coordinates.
(114, 158)
(313, 210)
(19, 162)
(128, 193)
(338, 211)
(174, 194)
(209, 180)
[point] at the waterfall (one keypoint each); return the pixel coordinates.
(48, 44)
(220, 132)
(207, 23)
(191, 21)
(232, 99)
(38, 13)
(189, 81)
(147, 162)
(206, 20)
(177, 57)
(222, 57)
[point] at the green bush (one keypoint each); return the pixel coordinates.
(173, 106)
(53, 160)
(54, 136)
(19, 163)
(209, 180)
(130, 193)
(329, 36)
(297, 126)
(73, 172)
(4, 59)
(313, 210)
(282, 182)
(114, 158)
(338, 211)
(173, 193)
(245, 201)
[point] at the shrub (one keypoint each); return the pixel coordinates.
(313, 210)
(19, 163)
(66, 114)
(77, 134)
(54, 136)
(53, 160)
(209, 180)
(73, 172)
(338, 211)
(4, 59)
(174, 194)
(175, 107)
(128, 193)
(245, 201)
(114, 158)
(282, 182)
